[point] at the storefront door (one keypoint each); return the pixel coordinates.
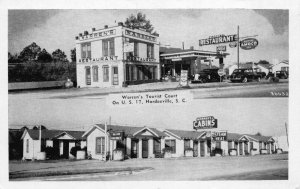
(241, 148)
(144, 148)
(88, 75)
(268, 148)
(115, 76)
(195, 148)
(246, 148)
(134, 148)
(66, 149)
(202, 148)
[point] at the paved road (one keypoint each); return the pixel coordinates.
(261, 167)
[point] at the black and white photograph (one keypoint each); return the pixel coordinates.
(149, 94)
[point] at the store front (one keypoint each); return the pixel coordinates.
(172, 62)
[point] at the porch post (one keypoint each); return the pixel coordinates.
(162, 144)
(150, 148)
(205, 148)
(243, 148)
(199, 144)
(128, 145)
(238, 149)
(140, 148)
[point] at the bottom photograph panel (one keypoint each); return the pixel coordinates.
(208, 139)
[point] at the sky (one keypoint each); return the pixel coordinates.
(237, 115)
(53, 29)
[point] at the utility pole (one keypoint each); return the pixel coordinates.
(105, 143)
(238, 46)
(40, 138)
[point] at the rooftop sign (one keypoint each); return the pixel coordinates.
(98, 34)
(139, 35)
(218, 39)
(205, 123)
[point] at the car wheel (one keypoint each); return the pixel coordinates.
(258, 79)
(245, 80)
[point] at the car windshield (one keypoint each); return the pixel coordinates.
(238, 71)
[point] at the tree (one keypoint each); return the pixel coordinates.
(139, 22)
(59, 55)
(44, 57)
(73, 55)
(30, 52)
(13, 58)
(263, 62)
(258, 134)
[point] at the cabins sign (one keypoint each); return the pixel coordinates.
(208, 122)
(218, 39)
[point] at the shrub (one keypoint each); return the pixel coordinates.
(51, 153)
(167, 150)
(74, 150)
(217, 151)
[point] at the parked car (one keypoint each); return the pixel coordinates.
(244, 75)
(207, 75)
(279, 74)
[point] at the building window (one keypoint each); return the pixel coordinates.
(100, 145)
(150, 49)
(171, 144)
(105, 74)
(27, 146)
(108, 47)
(86, 50)
(95, 73)
(218, 144)
(136, 49)
(251, 145)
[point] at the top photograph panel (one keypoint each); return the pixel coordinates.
(241, 52)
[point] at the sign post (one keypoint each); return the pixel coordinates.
(221, 73)
(183, 82)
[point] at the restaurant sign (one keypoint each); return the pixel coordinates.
(219, 135)
(104, 58)
(218, 39)
(139, 35)
(98, 34)
(248, 44)
(117, 135)
(205, 123)
(139, 59)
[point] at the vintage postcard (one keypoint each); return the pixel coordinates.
(157, 94)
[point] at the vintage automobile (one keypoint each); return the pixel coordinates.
(244, 75)
(279, 74)
(207, 75)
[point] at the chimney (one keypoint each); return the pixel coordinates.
(105, 26)
(93, 29)
(86, 32)
(76, 37)
(120, 24)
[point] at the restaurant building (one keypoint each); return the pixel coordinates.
(116, 56)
